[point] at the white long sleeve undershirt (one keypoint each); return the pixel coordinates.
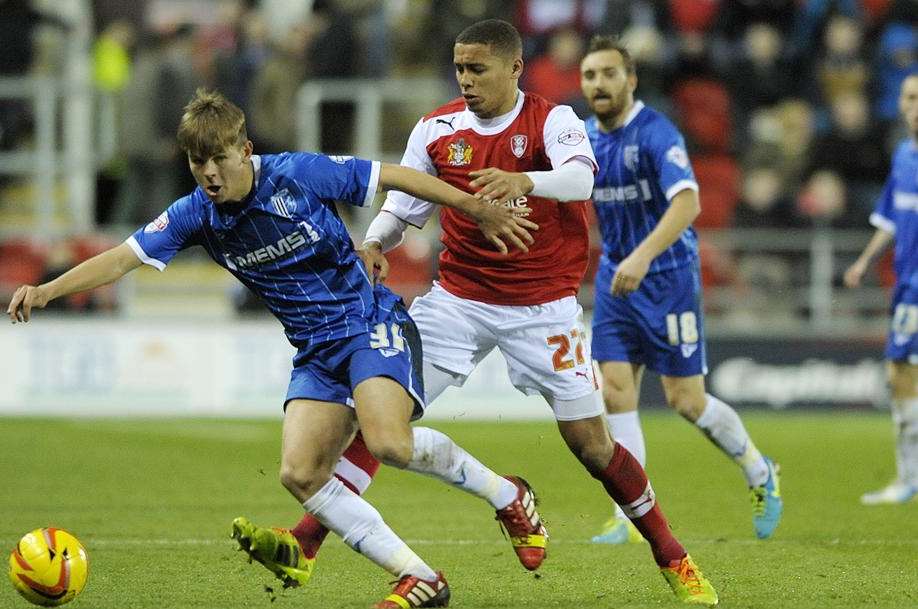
(572, 181)
(387, 229)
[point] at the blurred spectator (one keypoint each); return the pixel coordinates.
(556, 74)
(824, 200)
(163, 83)
(445, 20)
(112, 70)
(797, 128)
(332, 54)
(236, 66)
(811, 16)
(537, 19)
(736, 15)
(764, 202)
(841, 69)
(274, 93)
(853, 150)
(620, 15)
(650, 53)
(760, 77)
(897, 56)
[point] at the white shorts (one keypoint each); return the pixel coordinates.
(545, 346)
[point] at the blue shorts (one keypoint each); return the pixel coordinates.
(659, 325)
(902, 343)
(329, 372)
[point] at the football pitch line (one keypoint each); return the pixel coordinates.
(113, 542)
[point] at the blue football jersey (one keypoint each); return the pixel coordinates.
(897, 211)
(286, 243)
(642, 165)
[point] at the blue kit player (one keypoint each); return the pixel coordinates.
(271, 221)
(648, 293)
(896, 219)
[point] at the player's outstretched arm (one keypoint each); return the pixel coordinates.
(499, 224)
(855, 273)
(107, 267)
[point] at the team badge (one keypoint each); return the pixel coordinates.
(518, 145)
(157, 225)
(630, 154)
(283, 203)
(678, 157)
(460, 153)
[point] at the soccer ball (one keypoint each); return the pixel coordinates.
(48, 567)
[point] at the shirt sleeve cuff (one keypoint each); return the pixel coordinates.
(883, 223)
(679, 187)
(372, 184)
(132, 243)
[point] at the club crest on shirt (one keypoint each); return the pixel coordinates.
(159, 224)
(460, 153)
(678, 157)
(518, 145)
(283, 203)
(630, 155)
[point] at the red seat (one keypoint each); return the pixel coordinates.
(411, 268)
(693, 15)
(718, 178)
(21, 261)
(704, 109)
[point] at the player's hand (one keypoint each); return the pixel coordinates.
(855, 274)
(25, 298)
(630, 274)
(502, 225)
(499, 185)
(375, 262)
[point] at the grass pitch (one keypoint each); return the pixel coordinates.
(152, 501)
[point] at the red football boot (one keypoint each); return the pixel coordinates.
(524, 525)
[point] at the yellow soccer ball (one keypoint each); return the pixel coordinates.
(49, 567)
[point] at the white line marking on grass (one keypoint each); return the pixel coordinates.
(90, 542)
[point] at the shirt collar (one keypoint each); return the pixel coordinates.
(490, 126)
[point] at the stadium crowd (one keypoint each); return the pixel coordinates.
(788, 106)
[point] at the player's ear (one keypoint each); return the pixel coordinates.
(516, 68)
(247, 150)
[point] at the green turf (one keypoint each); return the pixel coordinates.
(153, 500)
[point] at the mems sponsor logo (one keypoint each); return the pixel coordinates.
(623, 194)
(276, 251)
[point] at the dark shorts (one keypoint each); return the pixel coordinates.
(659, 325)
(329, 372)
(902, 342)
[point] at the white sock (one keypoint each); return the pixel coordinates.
(725, 429)
(362, 528)
(905, 419)
(435, 454)
(625, 428)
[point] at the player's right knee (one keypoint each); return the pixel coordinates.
(618, 400)
(391, 449)
(302, 482)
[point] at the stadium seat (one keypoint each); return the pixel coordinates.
(693, 15)
(21, 261)
(704, 110)
(718, 178)
(411, 268)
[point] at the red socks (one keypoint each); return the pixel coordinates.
(626, 482)
(361, 466)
